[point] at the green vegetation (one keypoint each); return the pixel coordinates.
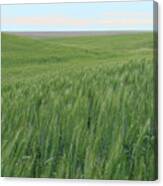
(80, 107)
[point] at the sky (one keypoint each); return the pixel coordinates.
(106, 16)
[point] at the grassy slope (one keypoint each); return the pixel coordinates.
(78, 107)
(77, 51)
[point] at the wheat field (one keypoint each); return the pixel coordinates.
(79, 107)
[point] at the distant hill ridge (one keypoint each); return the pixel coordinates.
(71, 33)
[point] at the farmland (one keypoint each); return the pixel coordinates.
(78, 107)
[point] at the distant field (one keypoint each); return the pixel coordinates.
(72, 34)
(78, 107)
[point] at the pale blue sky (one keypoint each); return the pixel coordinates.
(78, 16)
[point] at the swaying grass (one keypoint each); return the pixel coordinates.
(80, 107)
